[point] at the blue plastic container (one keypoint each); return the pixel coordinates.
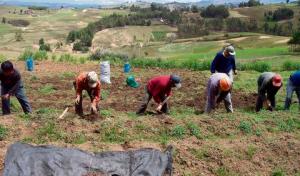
(30, 64)
(127, 67)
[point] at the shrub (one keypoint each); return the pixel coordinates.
(213, 11)
(18, 36)
(45, 47)
(289, 66)
(283, 14)
(106, 55)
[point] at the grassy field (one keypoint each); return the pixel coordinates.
(52, 25)
(221, 144)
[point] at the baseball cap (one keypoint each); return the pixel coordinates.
(92, 79)
(277, 80)
(176, 80)
(225, 84)
(230, 50)
(130, 80)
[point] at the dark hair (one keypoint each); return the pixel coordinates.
(7, 66)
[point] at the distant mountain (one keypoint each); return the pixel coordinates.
(49, 4)
(116, 3)
(204, 3)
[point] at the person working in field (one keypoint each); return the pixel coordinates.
(224, 62)
(11, 85)
(218, 89)
(268, 83)
(293, 84)
(89, 82)
(160, 89)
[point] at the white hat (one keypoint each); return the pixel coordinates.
(92, 79)
(230, 50)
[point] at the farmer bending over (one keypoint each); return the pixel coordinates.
(11, 85)
(224, 62)
(292, 85)
(89, 82)
(218, 89)
(268, 83)
(160, 89)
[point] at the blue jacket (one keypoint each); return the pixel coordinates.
(222, 64)
(295, 78)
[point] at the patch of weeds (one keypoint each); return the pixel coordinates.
(200, 153)
(182, 112)
(223, 171)
(288, 125)
(278, 172)
(82, 60)
(48, 132)
(105, 113)
(194, 129)
(140, 127)
(178, 131)
(3, 132)
(251, 151)
(45, 111)
(25, 116)
(67, 75)
(47, 89)
(34, 78)
(75, 138)
(27, 140)
(15, 105)
(258, 132)
(114, 134)
(245, 127)
(163, 137)
(104, 94)
(132, 115)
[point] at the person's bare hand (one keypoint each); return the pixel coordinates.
(77, 101)
(158, 109)
(5, 96)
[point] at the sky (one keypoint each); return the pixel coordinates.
(108, 2)
(97, 1)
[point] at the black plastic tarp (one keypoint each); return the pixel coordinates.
(27, 160)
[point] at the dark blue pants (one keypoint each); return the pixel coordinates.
(20, 95)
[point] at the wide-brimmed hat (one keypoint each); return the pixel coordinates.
(230, 50)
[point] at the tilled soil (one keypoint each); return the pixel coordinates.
(284, 151)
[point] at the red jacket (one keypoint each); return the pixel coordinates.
(159, 86)
(82, 84)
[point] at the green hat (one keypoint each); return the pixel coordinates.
(130, 80)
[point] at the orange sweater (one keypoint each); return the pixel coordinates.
(82, 84)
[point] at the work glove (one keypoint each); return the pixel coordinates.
(77, 101)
